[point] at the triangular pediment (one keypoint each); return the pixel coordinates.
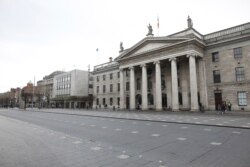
(149, 44)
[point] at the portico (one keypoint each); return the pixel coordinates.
(165, 74)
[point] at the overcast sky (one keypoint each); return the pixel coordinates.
(38, 37)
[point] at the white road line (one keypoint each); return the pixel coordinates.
(76, 142)
(117, 129)
(236, 132)
(123, 156)
(104, 127)
(134, 132)
(155, 135)
(164, 125)
(184, 127)
(181, 138)
(215, 143)
(96, 148)
(207, 129)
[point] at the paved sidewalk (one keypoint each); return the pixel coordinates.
(209, 118)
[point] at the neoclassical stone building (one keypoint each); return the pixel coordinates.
(179, 72)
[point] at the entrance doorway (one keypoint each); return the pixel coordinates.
(127, 102)
(164, 100)
(218, 99)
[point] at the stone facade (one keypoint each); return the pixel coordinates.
(181, 71)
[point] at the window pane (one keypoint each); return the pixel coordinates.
(237, 53)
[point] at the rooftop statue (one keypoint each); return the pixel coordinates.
(121, 47)
(150, 30)
(190, 22)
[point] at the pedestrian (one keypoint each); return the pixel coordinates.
(223, 107)
(229, 105)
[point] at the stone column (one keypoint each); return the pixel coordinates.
(193, 83)
(175, 96)
(132, 88)
(144, 87)
(122, 106)
(158, 94)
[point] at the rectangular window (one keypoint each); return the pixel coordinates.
(111, 101)
(97, 79)
(138, 84)
(118, 87)
(237, 53)
(127, 86)
(118, 101)
(216, 74)
(118, 74)
(111, 87)
(104, 101)
(97, 89)
(111, 76)
(104, 77)
(104, 88)
(242, 98)
(215, 57)
(240, 74)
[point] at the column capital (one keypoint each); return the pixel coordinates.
(172, 59)
(131, 68)
(157, 62)
(192, 55)
(143, 65)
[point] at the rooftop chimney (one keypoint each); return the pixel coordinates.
(110, 59)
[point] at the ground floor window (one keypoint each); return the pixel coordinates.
(103, 101)
(118, 101)
(111, 101)
(242, 98)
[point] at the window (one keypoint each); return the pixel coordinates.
(237, 53)
(90, 86)
(111, 101)
(111, 87)
(104, 88)
(97, 89)
(127, 73)
(118, 87)
(150, 85)
(118, 74)
(97, 101)
(118, 101)
(110, 76)
(103, 101)
(240, 74)
(242, 98)
(216, 74)
(104, 77)
(127, 86)
(97, 78)
(215, 57)
(138, 84)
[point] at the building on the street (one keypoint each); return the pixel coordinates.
(47, 88)
(73, 89)
(181, 71)
(10, 98)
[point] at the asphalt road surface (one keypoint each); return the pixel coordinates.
(38, 139)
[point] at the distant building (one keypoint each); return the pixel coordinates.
(10, 98)
(181, 71)
(47, 88)
(73, 89)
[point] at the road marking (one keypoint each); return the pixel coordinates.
(155, 135)
(164, 125)
(96, 148)
(207, 129)
(92, 125)
(123, 156)
(104, 127)
(63, 137)
(134, 132)
(236, 132)
(148, 124)
(184, 127)
(76, 142)
(181, 138)
(118, 129)
(215, 143)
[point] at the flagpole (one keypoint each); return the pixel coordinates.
(158, 24)
(97, 61)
